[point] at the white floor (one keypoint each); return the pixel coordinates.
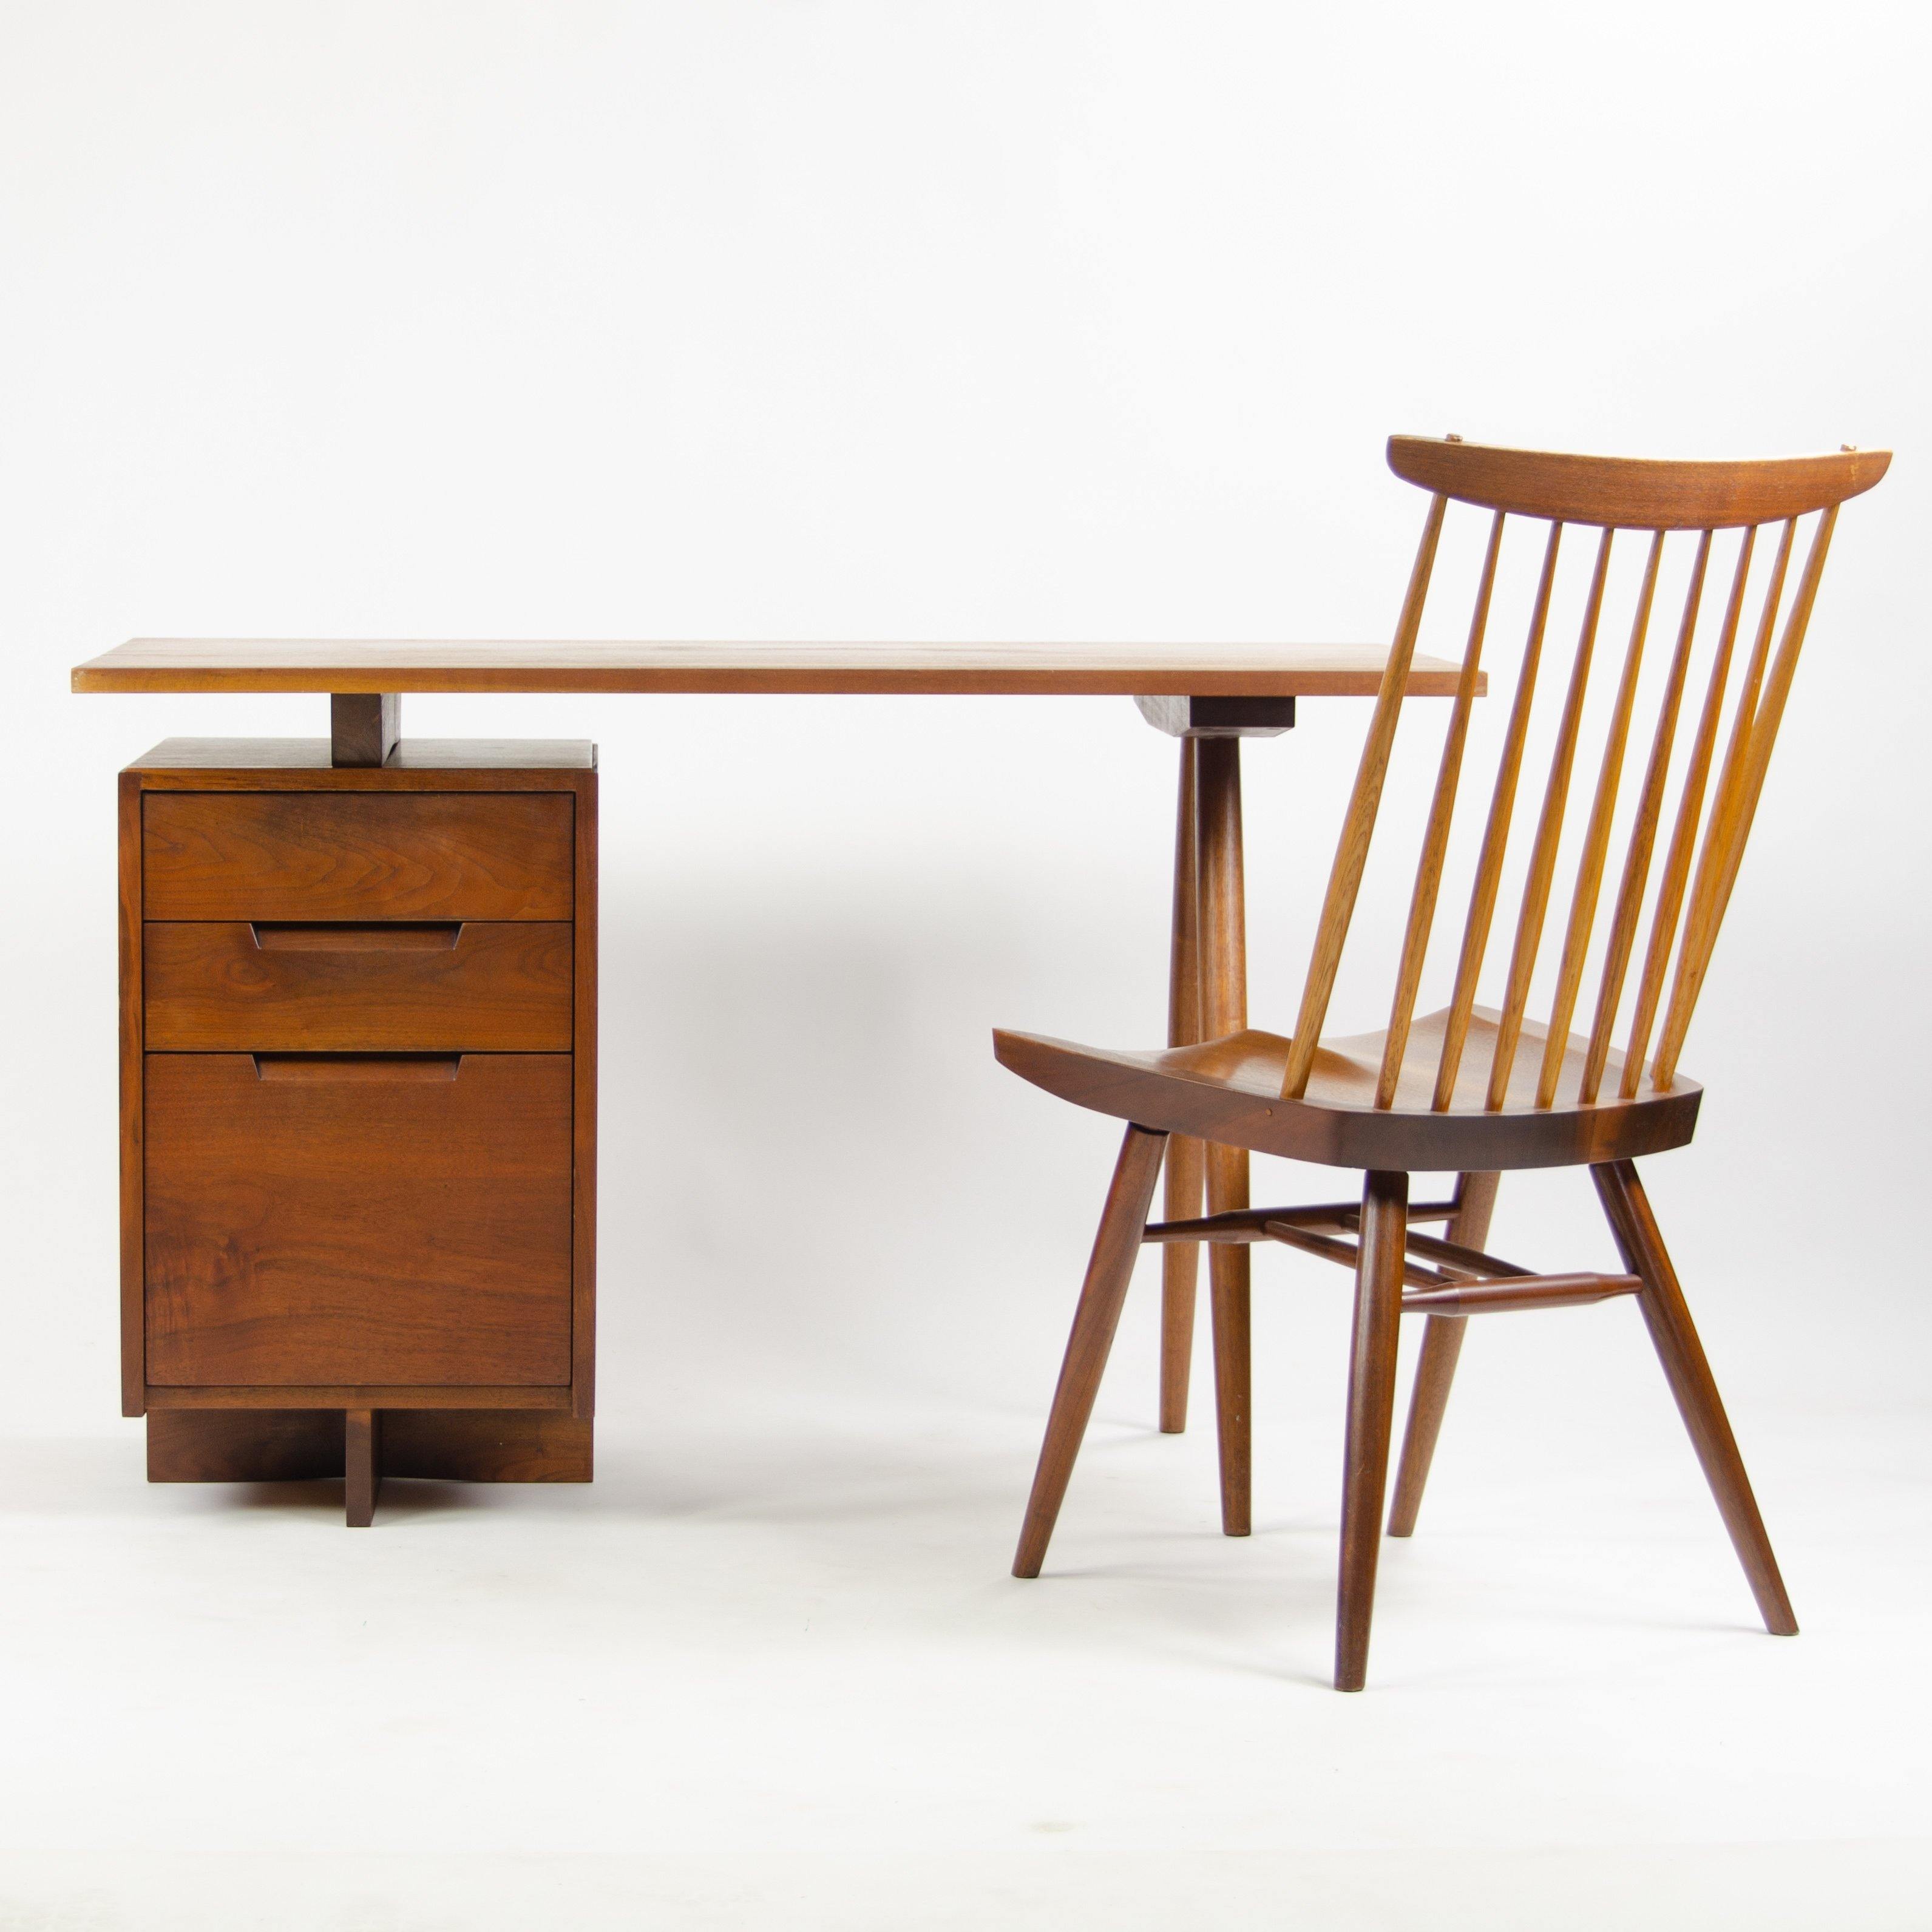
(769, 1671)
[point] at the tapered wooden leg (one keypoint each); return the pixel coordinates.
(362, 1464)
(1224, 1010)
(1116, 1247)
(1180, 1260)
(1378, 1274)
(1442, 1344)
(1180, 1274)
(1688, 1372)
(1429, 1397)
(1228, 1274)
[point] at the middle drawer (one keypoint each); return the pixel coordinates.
(476, 986)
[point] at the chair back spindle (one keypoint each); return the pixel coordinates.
(1352, 854)
(1496, 836)
(1710, 823)
(1643, 834)
(1690, 804)
(1435, 840)
(1717, 865)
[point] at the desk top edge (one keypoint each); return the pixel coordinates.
(160, 665)
(546, 755)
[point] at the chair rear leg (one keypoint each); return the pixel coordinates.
(1116, 1247)
(1434, 1371)
(1442, 1345)
(1689, 1374)
(1379, 1275)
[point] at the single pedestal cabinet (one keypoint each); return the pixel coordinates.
(358, 1120)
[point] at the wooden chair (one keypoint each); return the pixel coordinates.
(1475, 1090)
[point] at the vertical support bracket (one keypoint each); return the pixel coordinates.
(363, 726)
(1223, 971)
(1208, 995)
(1180, 1260)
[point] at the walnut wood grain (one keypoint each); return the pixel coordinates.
(1252, 1224)
(359, 1231)
(305, 856)
(1683, 834)
(1435, 837)
(1224, 1005)
(1542, 851)
(1016, 670)
(1458, 1300)
(1372, 1365)
(1629, 906)
(1442, 1337)
(1116, 1247)
(1488, 881)
(1229, 1090)
(583, 1108)
(366, 1395)
(289, 1445)
(363, 728)
(1712, 893)
(362, 1465)
(1589, 886)
(1667, 1315)
(487, 1445)
(1634, 492)
(1446, 1093)
(233, 1445)
(1351, 850)
(232, 986)
(133, 1113)
(481, 764)
(1185, 1171)
(352, 1013)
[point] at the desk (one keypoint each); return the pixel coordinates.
(1208, 697)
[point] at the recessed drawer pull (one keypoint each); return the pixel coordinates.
(275, 986)
(428, 936)
(319, 1068)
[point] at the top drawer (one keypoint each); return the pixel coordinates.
(309, 855)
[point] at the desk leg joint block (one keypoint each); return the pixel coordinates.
(1217, 717)
(363, 726)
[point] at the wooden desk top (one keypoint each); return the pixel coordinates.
(1130, 670)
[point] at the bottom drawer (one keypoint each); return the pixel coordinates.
(357, 1220)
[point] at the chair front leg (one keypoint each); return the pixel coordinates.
(1442, 1345)
(1181, 1275)
(1668, 1317)
(1116, 1247)
(1371, 1358)
(1229, 1279)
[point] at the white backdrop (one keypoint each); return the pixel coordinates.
(962, 322)
(996, 322)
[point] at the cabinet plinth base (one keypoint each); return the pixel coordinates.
(292, 1445)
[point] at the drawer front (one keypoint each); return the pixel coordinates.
(503, 984)
(356, 855)
(352, 1220)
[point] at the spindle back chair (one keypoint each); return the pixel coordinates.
(1480, 1091)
